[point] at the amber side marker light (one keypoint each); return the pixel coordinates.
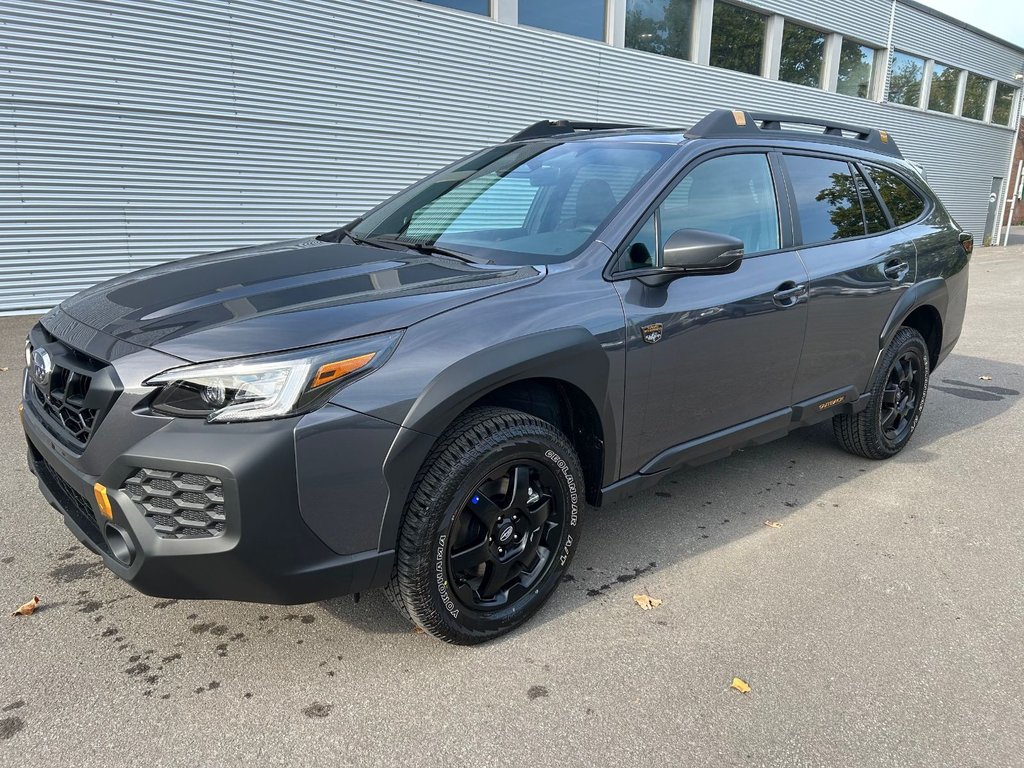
(103, 501)
(333, 371)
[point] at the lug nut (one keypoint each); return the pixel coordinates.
(501, 551)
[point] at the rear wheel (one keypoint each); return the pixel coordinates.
(490, 528)
(897, 398)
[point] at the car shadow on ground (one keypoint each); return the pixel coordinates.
(695, 510)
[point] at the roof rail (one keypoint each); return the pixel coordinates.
(546, 128)
(723, 123)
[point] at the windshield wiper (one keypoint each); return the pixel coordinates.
(436, 250)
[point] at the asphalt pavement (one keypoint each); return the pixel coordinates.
(881, 624)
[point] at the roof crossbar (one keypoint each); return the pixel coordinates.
(546, 128)
(731, 123)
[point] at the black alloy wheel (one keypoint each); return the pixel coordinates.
(503, 538)
(895, 400)
(899, 398)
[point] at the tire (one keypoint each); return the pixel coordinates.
(490, 527)
(898, 393)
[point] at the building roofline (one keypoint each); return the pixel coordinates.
(961, 23)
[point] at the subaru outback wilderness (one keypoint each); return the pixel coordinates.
(428, 399)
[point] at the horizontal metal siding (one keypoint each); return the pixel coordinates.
(131, 134)
(918, 32)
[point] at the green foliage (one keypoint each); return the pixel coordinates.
(737, 38)
(660, 26)
(803, 51)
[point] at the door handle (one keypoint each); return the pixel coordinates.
(895, 269)
(789, 293)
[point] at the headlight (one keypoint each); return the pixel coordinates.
(268, 386)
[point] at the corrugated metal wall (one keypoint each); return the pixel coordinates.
(132, 133)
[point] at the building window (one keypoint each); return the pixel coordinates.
(975, 96)
(483, 7)
(579, 18)
(906, 74)
(737, 38)
(855, 64)
(942, 96)
(803, 52)
(660, 26)
(1003, 104)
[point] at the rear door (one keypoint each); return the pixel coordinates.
(858, 264)
(709, 352)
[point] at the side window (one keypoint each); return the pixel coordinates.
(903, 203)
(874, 216)
(730, 194)
(827, 202)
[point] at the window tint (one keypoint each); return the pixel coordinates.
(906, 75)
(1004, 101)
(975, 96)
(826, 198)
(874, 216)
(733, 195)
(803, 52)
(580, 18)
(903, 202)
(737, 38)
(855, 63)
(942, 96)
(660, 26)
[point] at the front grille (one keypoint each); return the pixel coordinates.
(65, 403)
(70, 501)
(77, 393)
(179, 505)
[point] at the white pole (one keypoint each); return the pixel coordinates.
(1016, 191)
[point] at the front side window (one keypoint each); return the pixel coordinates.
(1004, 104)
(803, 52)
(580, 18)
(975, 96)
(660, 26)
(737, 38)
(827, 202)
(942, 96)
(532, 203)
(731, 195)
(855, 64)
(903, 203)
(906, 75)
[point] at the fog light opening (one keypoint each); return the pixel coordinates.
(120, 545)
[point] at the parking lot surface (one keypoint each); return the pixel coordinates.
(881, 624)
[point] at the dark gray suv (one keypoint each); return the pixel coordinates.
(427, 399)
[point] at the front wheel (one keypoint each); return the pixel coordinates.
(894, 407)
(490, 528)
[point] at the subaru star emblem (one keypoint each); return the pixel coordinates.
(42, 367)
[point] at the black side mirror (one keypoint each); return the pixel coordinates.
(696, 252)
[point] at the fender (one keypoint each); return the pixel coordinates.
(932, 291)
(572, 355)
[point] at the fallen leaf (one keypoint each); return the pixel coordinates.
(984, 378)
(28, 608)
(417, 630)
(773, 523)
(3, 370)
(646, 601)
(740, 685)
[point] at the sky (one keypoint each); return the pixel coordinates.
(1002, 18)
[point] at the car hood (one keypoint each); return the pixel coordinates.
(284, 295)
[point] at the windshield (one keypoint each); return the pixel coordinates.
(517, 204)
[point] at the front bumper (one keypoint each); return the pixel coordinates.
(267, 551)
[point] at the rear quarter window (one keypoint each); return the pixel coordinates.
(903, 202)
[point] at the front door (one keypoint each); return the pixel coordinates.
(709, 352)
